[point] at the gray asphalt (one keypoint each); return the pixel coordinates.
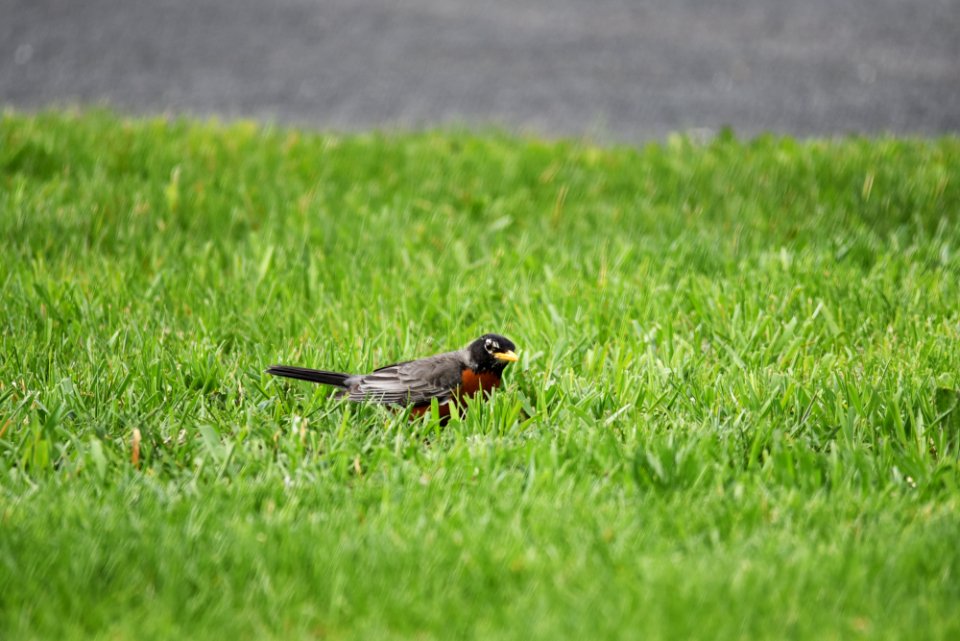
(609, 69)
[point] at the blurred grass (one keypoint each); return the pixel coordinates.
(736, 413)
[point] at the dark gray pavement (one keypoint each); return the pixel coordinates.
(611, 69)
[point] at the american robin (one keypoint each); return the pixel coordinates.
(448, 377)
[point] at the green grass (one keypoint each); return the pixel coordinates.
(735, 415)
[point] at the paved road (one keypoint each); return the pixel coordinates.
(613, 69)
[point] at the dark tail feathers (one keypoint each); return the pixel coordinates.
(336, 379)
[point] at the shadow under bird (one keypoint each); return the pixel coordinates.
(450, 377)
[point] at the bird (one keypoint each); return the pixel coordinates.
(450, 377)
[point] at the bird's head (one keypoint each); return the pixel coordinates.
(492, 352)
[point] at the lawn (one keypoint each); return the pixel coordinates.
(736, 413)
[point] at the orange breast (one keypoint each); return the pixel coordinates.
(471, 382)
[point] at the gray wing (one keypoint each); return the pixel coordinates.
(413, 382)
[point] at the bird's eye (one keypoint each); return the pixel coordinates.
(491, 345)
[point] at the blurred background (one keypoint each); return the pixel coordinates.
(608, 69)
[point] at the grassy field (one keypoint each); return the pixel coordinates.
(735, 415)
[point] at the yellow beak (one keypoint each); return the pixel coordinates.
(508, 356)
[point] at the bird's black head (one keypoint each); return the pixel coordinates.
(492, 353)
